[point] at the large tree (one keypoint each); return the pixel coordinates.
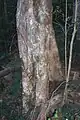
(38, 52)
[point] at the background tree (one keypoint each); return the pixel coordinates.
(77, 38)
(7, 28)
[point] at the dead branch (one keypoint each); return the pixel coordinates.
(56, 101)
(7, 71)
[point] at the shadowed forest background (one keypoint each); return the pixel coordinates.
(10, 63)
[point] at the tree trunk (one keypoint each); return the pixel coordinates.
(78, 21)
(38, 51)
(77, 42)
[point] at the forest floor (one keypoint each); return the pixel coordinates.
(10, 93)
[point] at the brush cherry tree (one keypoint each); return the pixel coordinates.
(39, 55)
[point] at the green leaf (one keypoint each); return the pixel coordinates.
(56, 114)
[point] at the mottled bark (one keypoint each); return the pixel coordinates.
(38, 51)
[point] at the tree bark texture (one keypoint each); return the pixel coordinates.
(38, 51)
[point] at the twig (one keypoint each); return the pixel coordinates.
(57, 23)
(57, 88)
(70, 56)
